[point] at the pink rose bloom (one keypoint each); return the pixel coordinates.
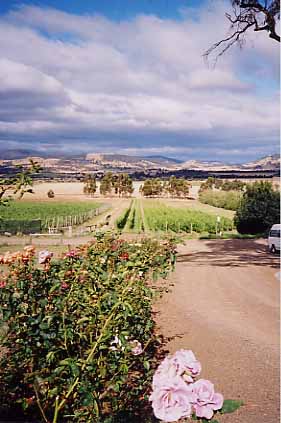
(71, 253)
(166, 369)
(186, 364)
(136, 347)
(172, 399)
(44, 256)
(206, 399)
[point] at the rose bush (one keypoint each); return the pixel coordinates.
(77, 332)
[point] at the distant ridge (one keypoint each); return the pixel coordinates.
(121, 162)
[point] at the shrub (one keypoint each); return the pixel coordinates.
(229, 200)
(51, 194)
(259, 209)
(81, 329)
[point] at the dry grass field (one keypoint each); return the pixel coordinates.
(67, 191)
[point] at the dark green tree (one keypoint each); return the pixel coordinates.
(259, 209)
(90, 185)
(177, 187)
(125, 184)
(106, 184)
(152, 188)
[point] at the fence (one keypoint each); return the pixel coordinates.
(57, 223)
(52, 225)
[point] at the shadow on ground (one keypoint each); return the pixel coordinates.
(233, 253)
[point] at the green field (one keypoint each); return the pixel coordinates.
(55, 214)
(157, 216)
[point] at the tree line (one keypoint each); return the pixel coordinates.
(117, 184)
(220, 184)
(173, 187)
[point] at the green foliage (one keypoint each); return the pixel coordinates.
(70, 324)
(152, 188)
(121, 221)
(229, 200)
(229, 406)
(160, 217)
(42, 210)
(19, 185)
(55, 214)
(259, 208)
(131, 220)
(220, 184)
(174, 187)
(106, 184)
(90, 185)
(20, 226)
(121, 184)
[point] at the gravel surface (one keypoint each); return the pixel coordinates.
(224, 305)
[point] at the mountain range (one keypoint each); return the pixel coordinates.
(94, 162)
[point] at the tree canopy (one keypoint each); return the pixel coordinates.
(259, 208)
(174, 187)
(90, 185)
(121, 184)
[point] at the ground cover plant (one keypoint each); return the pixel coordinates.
(81, 329)
(51, 214)
(160, 217)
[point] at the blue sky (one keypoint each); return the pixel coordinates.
(128, 76)
(113, 9)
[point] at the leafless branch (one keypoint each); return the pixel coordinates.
(261, 16)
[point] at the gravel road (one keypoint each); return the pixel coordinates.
(224, 305)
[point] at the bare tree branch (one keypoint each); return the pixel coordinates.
(259, 15)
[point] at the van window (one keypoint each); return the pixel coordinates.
(274, 233)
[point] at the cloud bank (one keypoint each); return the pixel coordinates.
(85, 83)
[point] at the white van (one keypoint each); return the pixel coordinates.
(274, 238)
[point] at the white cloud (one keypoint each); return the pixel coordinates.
(142, 79)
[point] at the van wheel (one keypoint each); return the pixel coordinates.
(273, 249)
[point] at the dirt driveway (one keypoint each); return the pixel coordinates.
(224, 305)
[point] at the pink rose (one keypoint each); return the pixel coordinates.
(2, 284)
(206, 399)
(186, 364)
(166, 369)
(44, 256)
(171, 400)
(136, 347)
(71, 253)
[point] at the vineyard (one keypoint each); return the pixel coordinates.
(56, 215)
(156, 216)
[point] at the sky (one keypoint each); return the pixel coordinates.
(128, 77)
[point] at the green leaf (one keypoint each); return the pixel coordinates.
(229, 406)
(146, 365)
